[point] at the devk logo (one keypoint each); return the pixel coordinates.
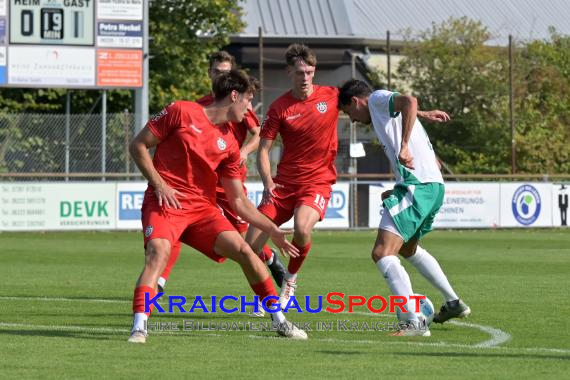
(526, 204)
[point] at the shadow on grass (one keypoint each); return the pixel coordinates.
(484, 355)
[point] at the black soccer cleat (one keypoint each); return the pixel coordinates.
(277, 269)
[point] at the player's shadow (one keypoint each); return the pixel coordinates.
(331, 352)
(59, 334)
(485, 355)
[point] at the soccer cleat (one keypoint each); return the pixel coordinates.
(137, 336)
(260, 313)
(447, 311)
(413, 329)
(289, 330)
(287, 291)
(161, 284)
(277, 269)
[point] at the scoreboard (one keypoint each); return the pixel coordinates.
(92, 44)
(59, 22)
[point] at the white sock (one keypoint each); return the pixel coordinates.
(428, 266)
(290, 277)
(399, 282)
(139, 322)
(270, 261)
(278, 317)
(161, 281)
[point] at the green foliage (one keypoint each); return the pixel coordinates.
(453, 68)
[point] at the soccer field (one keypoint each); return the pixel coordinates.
(65, 311)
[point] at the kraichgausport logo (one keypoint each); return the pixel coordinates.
(526, 204)
(231, 304)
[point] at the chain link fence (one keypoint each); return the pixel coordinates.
(53, 145)
(65, 144)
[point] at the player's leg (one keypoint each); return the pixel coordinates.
(430, 197)
(156, 256)
(173, 258)
(160, 229)
(428, 266)
(388, 243)
(305, 218)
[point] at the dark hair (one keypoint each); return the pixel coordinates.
(298, 52)
(222, 56)
(353, 87)
(232, 80)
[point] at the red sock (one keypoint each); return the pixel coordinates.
(138, 299)
(265, 254)
(296, 262)
(264, 289)
(174, 254)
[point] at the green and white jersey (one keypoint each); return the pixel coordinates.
(388, 127)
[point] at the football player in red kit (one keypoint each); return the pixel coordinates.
(306, 118)
(194, 146)
(221, 62)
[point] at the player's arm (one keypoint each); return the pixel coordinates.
(264, 168)
(250, 146)
(139, 152)
(408, 107)
(245, 209)
(434, 116)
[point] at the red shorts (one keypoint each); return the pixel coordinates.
(198, 227)
(239, 224)
(282, 206)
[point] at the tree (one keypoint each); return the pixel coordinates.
(449, 67)
(542, 113)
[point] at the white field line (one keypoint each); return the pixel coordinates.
(498, 336)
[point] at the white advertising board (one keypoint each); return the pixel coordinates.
(37, 66)
(26, 206)
(560, 204)
(526, 205)
(120, 9)
(469, 205)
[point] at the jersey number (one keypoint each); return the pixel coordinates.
(320, 201)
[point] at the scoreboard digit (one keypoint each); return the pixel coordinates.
(61, 22)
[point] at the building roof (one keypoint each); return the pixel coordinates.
(368, 20)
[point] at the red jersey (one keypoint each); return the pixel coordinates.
(239, 130)
(308, 129)
(190, 151)
(249, 122)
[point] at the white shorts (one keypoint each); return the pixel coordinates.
(387, 223)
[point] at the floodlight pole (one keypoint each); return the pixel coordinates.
(512, 109)
(388, 59)
(67, 126)
(104, 134)
(141, 94)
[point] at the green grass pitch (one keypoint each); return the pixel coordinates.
(65, 311)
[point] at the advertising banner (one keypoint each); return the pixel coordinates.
(120, 9)
(469, 205)
(119, 68)
(120, 34)
(129, 202)
(28, 206)
(37, 66)
(560, 204)
(526, 205)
